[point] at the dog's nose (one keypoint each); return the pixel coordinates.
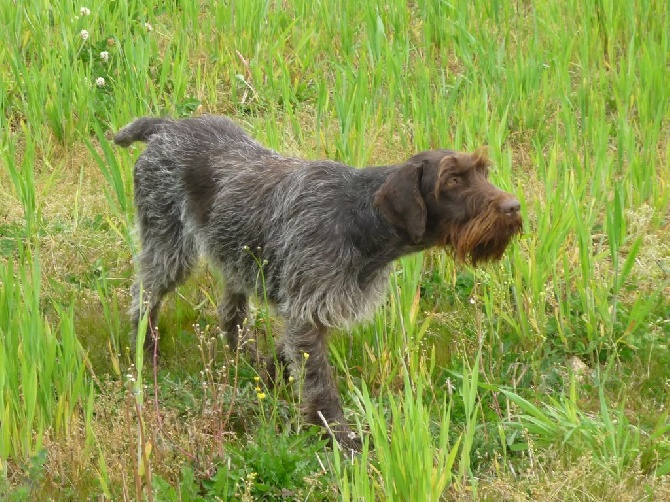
(510, 206)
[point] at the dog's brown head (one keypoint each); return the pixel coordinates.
(440, 197)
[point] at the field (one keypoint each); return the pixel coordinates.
(542, 377)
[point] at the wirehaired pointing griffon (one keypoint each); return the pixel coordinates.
(325, 234)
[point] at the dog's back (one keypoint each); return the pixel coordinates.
(191, 138)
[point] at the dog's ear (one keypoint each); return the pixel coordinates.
(480, 157)
(399, 199)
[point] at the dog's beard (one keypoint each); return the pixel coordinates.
(484, 238)
(491, 250)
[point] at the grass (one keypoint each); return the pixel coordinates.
(541, 377)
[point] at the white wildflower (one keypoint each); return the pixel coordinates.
(85, 11)
(84, 35)
(104, 55)
(100, 82)
(148, 27)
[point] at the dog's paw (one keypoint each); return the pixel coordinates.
(348, 441)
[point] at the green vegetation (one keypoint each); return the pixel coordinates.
(542, 377)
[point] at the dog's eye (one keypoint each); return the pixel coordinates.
(453, 181)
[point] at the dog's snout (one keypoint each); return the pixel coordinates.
(510, 206)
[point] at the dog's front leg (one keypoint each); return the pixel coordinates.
(305, 347)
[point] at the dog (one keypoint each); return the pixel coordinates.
(317, 238)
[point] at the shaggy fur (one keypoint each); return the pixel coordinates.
(325, 234)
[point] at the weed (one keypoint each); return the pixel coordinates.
(487, 383)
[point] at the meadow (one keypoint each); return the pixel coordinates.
(542, 377)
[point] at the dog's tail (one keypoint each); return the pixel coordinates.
(139, 130)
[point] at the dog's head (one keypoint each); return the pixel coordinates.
(440, 197)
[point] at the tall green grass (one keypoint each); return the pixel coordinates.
(43, 383)
(575, 115)
(44, 387)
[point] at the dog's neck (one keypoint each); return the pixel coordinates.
(381, 241)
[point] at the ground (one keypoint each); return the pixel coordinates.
(542, 377)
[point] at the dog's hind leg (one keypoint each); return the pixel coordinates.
(233, 310)
(165, 262)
